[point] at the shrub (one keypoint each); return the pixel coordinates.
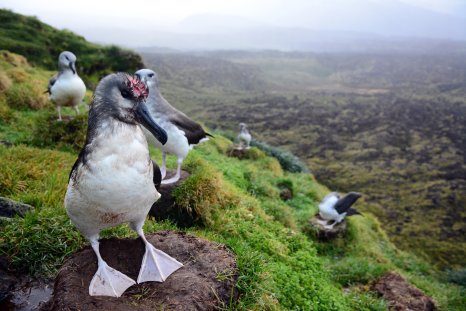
(288, 161)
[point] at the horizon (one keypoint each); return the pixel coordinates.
(291, 25)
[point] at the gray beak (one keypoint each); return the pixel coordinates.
(148, 122)
(72, 67)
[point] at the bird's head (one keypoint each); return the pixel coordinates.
(243, 126)
(149, 77)
(122, 97)
(67, 60)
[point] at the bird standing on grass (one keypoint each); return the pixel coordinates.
(66, 88)
(112, 182)
(244, 137)
(181, 130)
(335, 208)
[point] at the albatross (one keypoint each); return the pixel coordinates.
(66, 88)
(182, 132)
(244, 137)
(335, 208)
(112, 181)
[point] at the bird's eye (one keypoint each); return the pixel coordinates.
(67, 58)
(126, 94)
(151, 75)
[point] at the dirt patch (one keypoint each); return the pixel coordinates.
(166, 207)
(206, 282)
(401, 295)
(318, 230)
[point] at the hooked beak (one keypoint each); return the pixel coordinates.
(72, 67)
(148, 122)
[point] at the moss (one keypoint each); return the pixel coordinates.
(5, 82)
(69, 134)
(23, 96)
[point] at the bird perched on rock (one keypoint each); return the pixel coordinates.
(335, 208)
(66, 88)
(112, 181)
(181, 130)
(244, 137)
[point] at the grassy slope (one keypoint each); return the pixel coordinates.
(361, 121)
(238, 202)
(42, 44)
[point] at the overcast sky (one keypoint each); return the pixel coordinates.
(69, 14)
(91, 17)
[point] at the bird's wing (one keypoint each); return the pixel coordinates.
(344, 204)
(157, 178)
(51, 83)
(193, 130)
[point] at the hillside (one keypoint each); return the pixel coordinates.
(281, 265)
(42, 44)
(389, 125)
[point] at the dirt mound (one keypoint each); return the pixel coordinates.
(318, 230)
(206, 282)
(401, 295)
(166, 207)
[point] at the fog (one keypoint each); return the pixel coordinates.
(259, 24)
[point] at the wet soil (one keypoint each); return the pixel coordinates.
(205, 282)
(401, 295)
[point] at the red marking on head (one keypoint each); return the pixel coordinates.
(138, 88)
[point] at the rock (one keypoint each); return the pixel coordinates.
(324, 234)
(205, 282)
(10, 208)
(401, 295)
(166, 207)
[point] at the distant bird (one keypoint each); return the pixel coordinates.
(66, 88)
(244, 137)
(335, 208)
(181, 130)
(112, 181)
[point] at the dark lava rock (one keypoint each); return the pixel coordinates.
(401, 295)
(10, 208)
(324, 234)
(166, 207)
(205, 282)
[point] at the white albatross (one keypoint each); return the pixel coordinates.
(112, 182)
(182, 132)
(335, 208)
(66, 88)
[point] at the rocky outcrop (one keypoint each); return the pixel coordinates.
(10, 208)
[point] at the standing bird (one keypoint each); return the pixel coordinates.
(66, 88)
(112, 181)
(334, 208)
(181, 130)
(244, 137)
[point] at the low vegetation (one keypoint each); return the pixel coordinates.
(238, 203)
(42, 44)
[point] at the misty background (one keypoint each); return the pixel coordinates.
(292, 25)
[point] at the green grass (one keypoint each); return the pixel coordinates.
(42, 44)
(237, 203)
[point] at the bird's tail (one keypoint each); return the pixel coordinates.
(352, 211)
